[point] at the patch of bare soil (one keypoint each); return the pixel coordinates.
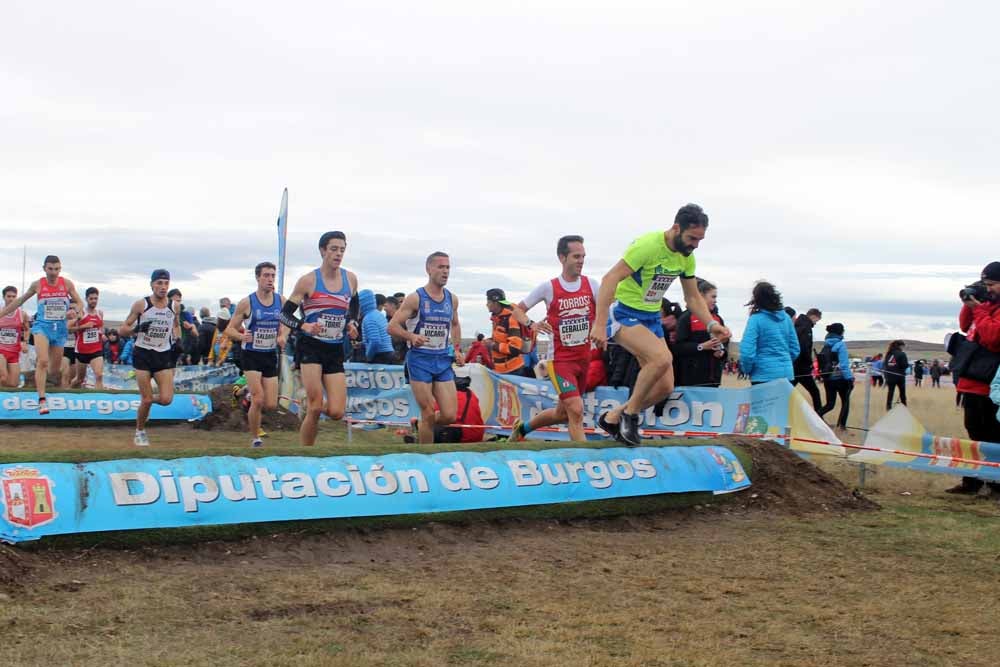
(228, 417)
(784, 482)
(14, 566)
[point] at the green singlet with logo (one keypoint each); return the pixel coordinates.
(655, 268)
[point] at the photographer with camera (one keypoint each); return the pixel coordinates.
(975, 361)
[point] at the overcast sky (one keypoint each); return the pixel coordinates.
(849, 153)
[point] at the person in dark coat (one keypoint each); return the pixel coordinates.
(894, 366)
(698, 357)
(803, 364)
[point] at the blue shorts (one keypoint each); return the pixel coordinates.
(55, 332)
(623, 316)
(429, 367)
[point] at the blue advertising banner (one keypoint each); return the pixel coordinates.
(186, 378)
(55, 498)
(97, 406)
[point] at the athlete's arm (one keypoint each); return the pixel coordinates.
(696, 304)
(298, 295)
(71, 324)
(456, 332)
(125, 330)
(353, 308)
(25, 331)
(605, 295)
(19, 301)
(406, 310)
(282, 329)
(71, 288)
(234, 329)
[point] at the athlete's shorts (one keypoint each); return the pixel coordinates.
(56, 332)
(70, 355)
(328, 355)
(85, 358)
(151, 361)
(265, 363)
(623, 316)
(568, 377)
(429, 367)
(12, 356)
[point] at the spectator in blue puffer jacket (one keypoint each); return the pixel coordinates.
(769, 344)
(374, 330)
(840, 382)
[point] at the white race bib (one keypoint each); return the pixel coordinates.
(265, 339)
(158, 333)
(8, 336)
(574, 331)
(437, 335)
(657, 288)
(331, 326)
(54, 309)
(91, 336)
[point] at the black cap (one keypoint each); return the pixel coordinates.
(159, 274)
(991, 271)
(836, 328)
(497, 294)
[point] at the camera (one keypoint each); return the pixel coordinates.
(976, 290)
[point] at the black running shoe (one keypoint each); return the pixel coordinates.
(629, 430)
(606, 426)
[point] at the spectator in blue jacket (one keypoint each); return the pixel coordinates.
(769, 344)
(840, 382)
(374, 330)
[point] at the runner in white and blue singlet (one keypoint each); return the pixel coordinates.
(428, 320)
(328, 299)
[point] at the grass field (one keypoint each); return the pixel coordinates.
(912, 584)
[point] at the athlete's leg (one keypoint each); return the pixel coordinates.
(13, 374)
(312, 382)
(145, 381)
(42, 363)
(423, 394)
(270, 393)
(164, 386)
(656, 373)
(257, 401)
(97, 365)
(336, 395)
(3, 372)
(447, 399)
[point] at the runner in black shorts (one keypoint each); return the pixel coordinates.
(327, 295)
(158, 325)
(256, 325)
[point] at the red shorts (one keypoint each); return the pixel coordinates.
(569, 377)
(12, 357)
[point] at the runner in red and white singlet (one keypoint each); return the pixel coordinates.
(89, 348)
(571, 299)
(13, 341)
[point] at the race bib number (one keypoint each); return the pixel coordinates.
(157, 334)
(574, 331)
(658, 287)
(265, 339)
(331, 326)
(54, 309)
(8, 336)
(91, 336)
(437, 335)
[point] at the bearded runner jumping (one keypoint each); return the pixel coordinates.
(628, 310)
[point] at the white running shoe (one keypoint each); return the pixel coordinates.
(141, 439)
(257, 442)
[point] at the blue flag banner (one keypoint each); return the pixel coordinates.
(56, 498)
(282, 240)
(21, 405)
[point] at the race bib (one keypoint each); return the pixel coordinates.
(54, 309)
(8, 336)
(265, 339)
(657, 288)
(574, 331)
(91, 336)
(157, 333)
(331, 326)
(437, 335)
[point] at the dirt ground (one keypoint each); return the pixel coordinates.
(797, 570)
